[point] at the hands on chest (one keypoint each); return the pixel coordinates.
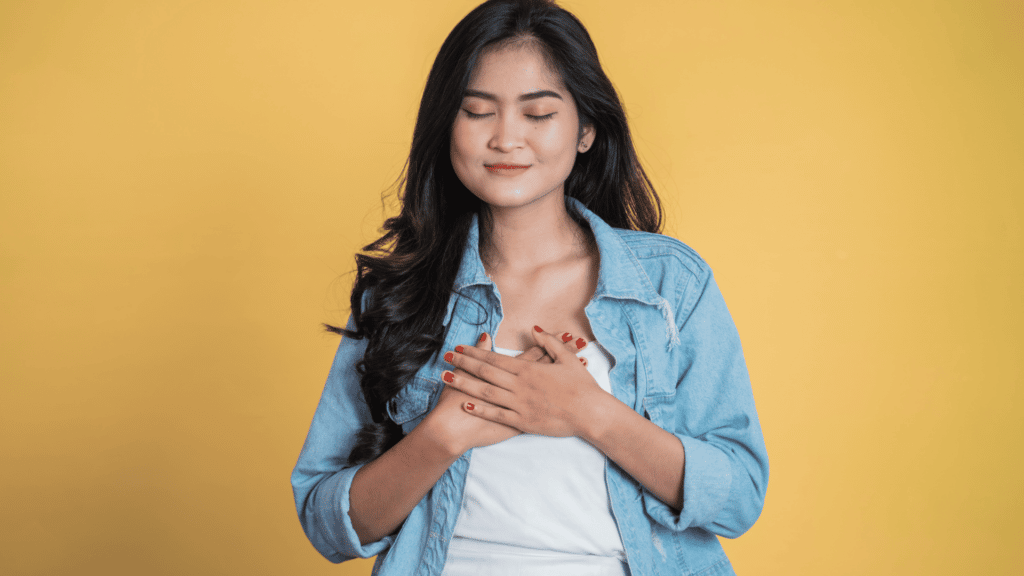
(546, 390)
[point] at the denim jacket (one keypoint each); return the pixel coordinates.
(677, 361)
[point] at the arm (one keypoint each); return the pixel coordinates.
(703, 461)
(712, 414)
(616, 430)
(386, 490)
(351, 511)
(562, 399)
(322, 477)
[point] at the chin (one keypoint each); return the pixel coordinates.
(509, 198)
(511, 195)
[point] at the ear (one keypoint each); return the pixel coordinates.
(587, 135)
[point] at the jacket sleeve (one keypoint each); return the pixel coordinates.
(712, 413)
(322, 477)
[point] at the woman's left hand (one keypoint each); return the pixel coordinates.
(538, 398)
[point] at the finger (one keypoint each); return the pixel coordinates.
(477, 388)
(572, 343)
(554, 346)
(475, 357)
(491, 412)
(535, 354)
(583, 361)
(485, 365)
(484, 342)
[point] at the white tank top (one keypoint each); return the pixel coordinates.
(538, 505)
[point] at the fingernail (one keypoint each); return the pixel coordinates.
(482, 338)
(469, 406)
(580, 343)
(566, 337)
(538, 328)
(448, 376)
(583, 361)
(460, 349)
(449, 357)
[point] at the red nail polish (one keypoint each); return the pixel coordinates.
(482, 338)
(449, 357)
(460, 349)
(580, 343)
(538, 328)
(566, 337)
(447, 376)
(583, 361)
(469, 406)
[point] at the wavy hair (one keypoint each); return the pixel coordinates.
(405, 278)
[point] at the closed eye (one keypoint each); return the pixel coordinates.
(532, 117)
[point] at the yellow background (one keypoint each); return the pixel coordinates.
(183, 186)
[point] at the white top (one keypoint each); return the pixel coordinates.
(539, 502)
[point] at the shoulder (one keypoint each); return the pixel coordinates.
(661, 255)
(675, 271)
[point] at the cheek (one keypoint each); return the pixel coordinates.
(556, 143)
(464, 142)
(461, 154)
(456, 140)
(458, 146)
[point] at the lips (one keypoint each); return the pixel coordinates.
(502, 168)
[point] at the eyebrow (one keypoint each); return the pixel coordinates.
(522, 98)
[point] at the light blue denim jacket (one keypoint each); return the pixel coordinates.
(677, 361)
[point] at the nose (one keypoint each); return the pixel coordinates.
(508, 133)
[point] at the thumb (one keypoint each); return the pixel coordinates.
(553, 346)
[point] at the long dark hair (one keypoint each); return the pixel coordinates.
(405, 278)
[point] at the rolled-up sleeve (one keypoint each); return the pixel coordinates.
(322, 478)
(713, 415)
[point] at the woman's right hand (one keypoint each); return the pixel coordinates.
(459, 431)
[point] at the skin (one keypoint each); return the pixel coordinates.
(517, 112)
(544, 265)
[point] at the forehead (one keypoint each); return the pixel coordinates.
(514, 69)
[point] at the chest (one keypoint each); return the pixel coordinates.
(552, 299)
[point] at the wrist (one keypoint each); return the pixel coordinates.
(597, 416)
(441, 438)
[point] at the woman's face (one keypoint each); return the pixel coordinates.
(515, 138)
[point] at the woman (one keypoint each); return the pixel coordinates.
(623, 442)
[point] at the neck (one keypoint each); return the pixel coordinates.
(531, 236)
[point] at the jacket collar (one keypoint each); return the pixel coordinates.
(620, 275)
